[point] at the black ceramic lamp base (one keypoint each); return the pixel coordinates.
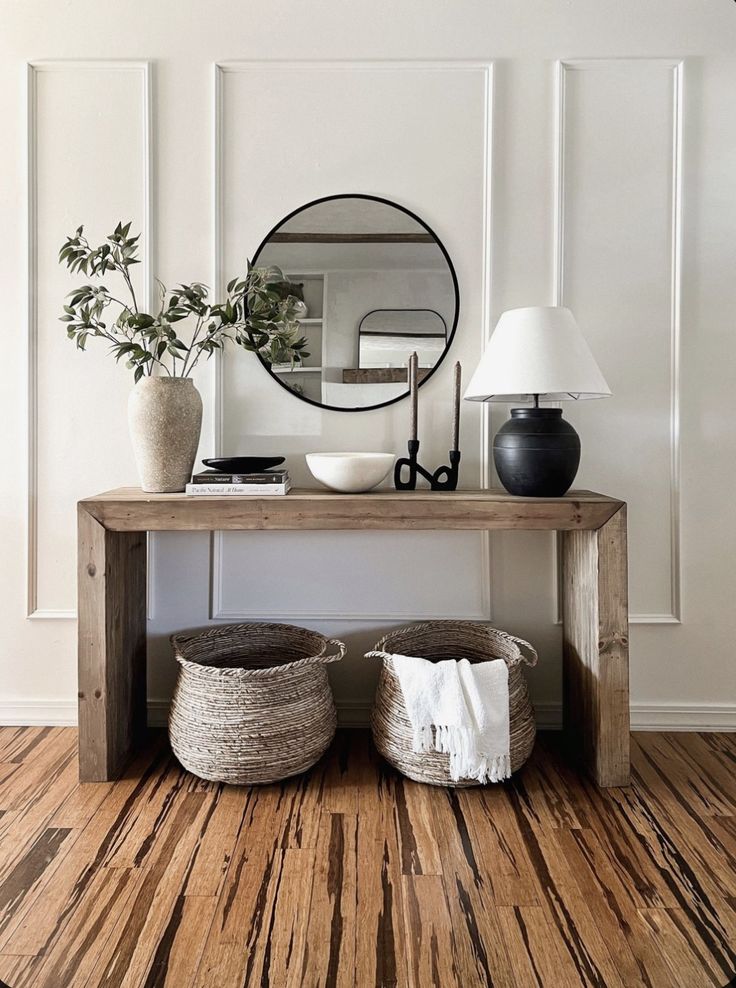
(536, 452)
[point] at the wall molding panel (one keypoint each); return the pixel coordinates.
(217, 609)
(674, 67)
(408, 612)
(141, 71)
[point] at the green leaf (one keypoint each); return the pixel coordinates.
(142, 320)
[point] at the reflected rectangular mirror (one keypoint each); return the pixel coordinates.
(376, 285)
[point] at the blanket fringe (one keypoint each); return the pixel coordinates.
(465, 763)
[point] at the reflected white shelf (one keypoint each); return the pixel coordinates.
(288, 369)
(310, 320)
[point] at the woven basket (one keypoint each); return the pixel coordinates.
(252, 702)
(437, 640)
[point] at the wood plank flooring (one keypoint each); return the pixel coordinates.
(353, 876)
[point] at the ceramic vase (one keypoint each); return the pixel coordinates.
(165, 420)
(536, 452)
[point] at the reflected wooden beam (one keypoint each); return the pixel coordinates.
(351, 238)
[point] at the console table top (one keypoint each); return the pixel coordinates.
(128, 509)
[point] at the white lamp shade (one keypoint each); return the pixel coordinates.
(538, 350)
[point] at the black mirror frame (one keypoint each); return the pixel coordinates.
(453, 275)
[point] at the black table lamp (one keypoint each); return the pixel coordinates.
(537, 353)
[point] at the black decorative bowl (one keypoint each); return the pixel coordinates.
(244, 464)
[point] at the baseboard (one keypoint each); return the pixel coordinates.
(62, 713)
(355, 713)
(644, 716)
(38, 713)
(683, 717)
(657, 716)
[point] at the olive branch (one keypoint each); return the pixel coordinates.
(256, 315)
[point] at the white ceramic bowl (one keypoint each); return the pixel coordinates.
(350, 473)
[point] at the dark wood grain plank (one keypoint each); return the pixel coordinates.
(237, 950)
(689, 966)
(535, 949)
(430, 940)
(20, 744)
(331, 931)
(28, 873)
(36, 930)
(37, 797)
(614, 907)
(566, 905)
(381, 957)
(155, 905)
(674, 824)
(19, 972)
(29, 781)
(691, 771)
(701, 766)
(500, 851)
(414, 810)
(285, 941)
(182, 942)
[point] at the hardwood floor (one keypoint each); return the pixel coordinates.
(352, 876)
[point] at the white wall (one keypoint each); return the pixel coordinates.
(605, 183)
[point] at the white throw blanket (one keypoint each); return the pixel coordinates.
(468, 707)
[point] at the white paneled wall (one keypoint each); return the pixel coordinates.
(618, 268)
(602, 181)
(69, 109)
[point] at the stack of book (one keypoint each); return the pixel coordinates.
(213, 482)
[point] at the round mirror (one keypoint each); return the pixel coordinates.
(374, 285)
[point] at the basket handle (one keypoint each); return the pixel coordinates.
(530, 660)
(334, 656)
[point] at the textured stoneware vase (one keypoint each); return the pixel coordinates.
(165, 419)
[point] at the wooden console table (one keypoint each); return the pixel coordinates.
(112, 597)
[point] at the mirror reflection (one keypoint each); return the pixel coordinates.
(376, 286)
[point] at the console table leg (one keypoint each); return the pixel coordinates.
(596, 649)
(112, 647)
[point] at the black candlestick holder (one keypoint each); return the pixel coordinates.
(443, 479)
